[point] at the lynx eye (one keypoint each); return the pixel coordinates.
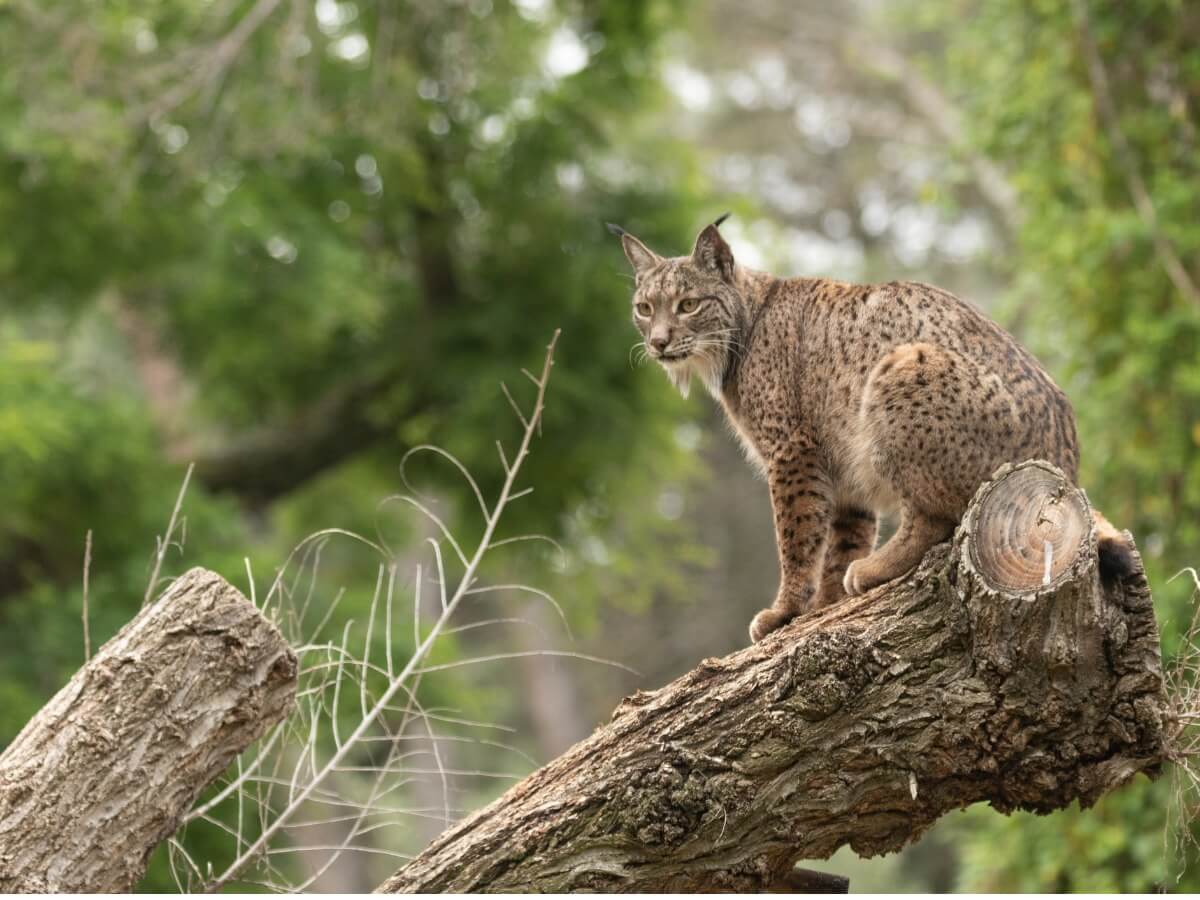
(644, 309)
(690, 305)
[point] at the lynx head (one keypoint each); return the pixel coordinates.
(687, 308)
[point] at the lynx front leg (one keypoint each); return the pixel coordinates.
(800, 497)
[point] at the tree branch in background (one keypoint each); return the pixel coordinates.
(212, 67)
(163, 383)
(1106, 110)
(928, 101)
(108, 768)
(923, 97)
(261, 464)
(1000, 670)
(266, 463)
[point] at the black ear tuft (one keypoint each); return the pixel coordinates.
(721, 218)
(615, 229)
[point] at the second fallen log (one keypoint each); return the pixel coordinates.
(106, 769)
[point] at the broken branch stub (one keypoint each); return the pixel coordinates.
(107, 768)
(973, 678)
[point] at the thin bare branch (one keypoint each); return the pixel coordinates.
(460, 663)
(165, 543)
(537, 592)
(513, 403)
(87, 565)
(429, 514)
(431, 448)
(412, 670)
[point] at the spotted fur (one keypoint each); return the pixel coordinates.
(853, 400)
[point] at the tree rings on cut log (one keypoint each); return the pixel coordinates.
(1027, 527)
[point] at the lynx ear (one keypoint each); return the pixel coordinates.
(639, 255)
(712, 253)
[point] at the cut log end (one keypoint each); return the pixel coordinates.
(1029, 528)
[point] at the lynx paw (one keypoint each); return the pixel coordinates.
(768, 620)
(857, 580)
(861, 577)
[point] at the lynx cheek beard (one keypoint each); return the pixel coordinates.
(680, 373)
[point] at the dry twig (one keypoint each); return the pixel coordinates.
(395, 742)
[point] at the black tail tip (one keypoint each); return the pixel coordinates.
(1116, 559)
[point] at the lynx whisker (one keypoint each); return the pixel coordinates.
(713, 339)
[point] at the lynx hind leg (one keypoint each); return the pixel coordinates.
(936, 425)
(917, 533)
(851, 537)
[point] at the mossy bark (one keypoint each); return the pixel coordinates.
(858, 725)
(106, 769)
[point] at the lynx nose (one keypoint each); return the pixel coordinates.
(659, 342)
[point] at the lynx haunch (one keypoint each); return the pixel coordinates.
(853, 400)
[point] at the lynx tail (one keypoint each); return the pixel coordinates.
(1115, 550)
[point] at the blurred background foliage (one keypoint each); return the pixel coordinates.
(289, 240)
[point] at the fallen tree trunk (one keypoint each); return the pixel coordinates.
(106, 769)
(1001, 670)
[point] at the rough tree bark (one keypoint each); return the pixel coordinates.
(105, 770)
(1000, 670)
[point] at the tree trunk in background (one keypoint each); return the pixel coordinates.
(1000, 670)
(348, 874)
(107, 768)
(548, 686)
